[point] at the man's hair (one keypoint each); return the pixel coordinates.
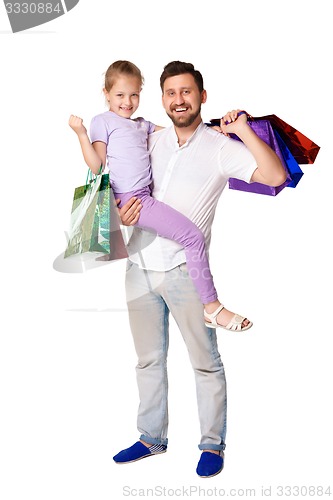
(175, 68)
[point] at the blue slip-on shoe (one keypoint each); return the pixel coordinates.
(210, 464)
(138, 451)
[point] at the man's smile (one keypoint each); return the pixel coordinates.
(180, 109)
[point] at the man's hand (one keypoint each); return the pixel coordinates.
(233, 122)
(217, 128)
(270, 170)
(76, 123)
(130, 212)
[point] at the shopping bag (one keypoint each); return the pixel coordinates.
(294, 171)
(264, 130)
(303, 149)
(286, 141)
(95, 223)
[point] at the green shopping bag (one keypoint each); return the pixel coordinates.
(95, 223)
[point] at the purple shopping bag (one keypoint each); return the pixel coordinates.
(290, 145)
(264, 130)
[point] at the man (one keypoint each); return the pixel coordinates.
(191, 165)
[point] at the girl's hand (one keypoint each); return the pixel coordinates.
(232, 122)
(76, 123)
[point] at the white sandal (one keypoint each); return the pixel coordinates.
(234, 325)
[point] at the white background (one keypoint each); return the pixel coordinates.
(68, 391)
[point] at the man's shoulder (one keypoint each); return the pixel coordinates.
(210, 134)
(164, 131)
(159, 136)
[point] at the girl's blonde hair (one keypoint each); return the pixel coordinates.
(121, 68)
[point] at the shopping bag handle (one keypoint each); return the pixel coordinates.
(216, 121)
(249, 117)
(92, 177)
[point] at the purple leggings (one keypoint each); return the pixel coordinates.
(167, 222)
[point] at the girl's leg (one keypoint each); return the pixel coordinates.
(169, 223)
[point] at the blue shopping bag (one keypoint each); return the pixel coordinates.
(294, 170)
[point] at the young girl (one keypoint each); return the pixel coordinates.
(121, 140)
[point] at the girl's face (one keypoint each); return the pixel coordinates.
(124, 95)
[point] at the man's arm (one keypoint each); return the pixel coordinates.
(270, 170)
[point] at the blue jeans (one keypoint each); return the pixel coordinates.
(151, 296)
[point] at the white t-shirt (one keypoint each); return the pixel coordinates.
(190, 179)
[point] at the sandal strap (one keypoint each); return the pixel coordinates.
(236, 323)
(212, 316)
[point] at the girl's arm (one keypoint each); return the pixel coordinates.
(94, 154)
(270, 170)
(157, 128)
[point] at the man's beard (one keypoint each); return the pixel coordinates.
(180, 122)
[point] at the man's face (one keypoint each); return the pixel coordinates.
(182, 100)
